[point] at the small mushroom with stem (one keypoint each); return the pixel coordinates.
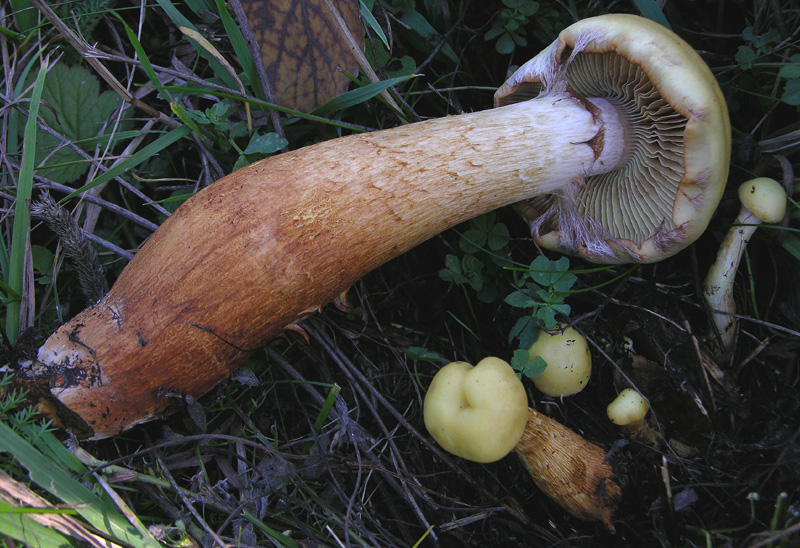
(619, 126)
(763, 201)
(629, 410)
(481, 414)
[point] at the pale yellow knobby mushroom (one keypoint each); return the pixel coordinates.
(481, 414)
(628, 407)
(569, 362)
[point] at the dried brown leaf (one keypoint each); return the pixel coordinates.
(304, 54)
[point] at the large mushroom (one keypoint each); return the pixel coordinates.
(271, 243)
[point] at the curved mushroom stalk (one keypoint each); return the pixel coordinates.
(763, 201)
(268, 244)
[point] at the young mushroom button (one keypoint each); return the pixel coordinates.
(569, 362)
(628, 407)
(477, 413)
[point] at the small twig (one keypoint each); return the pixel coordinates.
(258, 61)
(188, 504)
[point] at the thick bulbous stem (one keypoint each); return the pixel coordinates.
(274, 241)
(569, 469)
(719, 282)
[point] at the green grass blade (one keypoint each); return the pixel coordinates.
(240, 47)
(370, 20)
(22, 528)
(651, 10)
(134, 160)
(49, 475)
(142, 55)
(180, 21)
(358, 96)
(19, 236)
(25, 15)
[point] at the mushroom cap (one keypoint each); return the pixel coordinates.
(661, 197)
(569, 362)
(477, 413)
(628, 407)
(764, 198)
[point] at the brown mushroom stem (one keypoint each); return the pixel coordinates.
(570, 470)
(274, 241)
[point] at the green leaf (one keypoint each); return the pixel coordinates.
(542, 296)
(48, 475)
(546, 272)
(422, 354)
(25, 15)
(529, 8)
(791, 70)
(528, 332)
(372, 23)
(791, 93)
(180, 21)
(137, 158)
(417, 23)
(42, 259)
(23, 528)
(78, 111)
(472, 241)
(531, 368)
(144, 59)
(564, 283)
(239, 45)
(493, 33)
(269, 143)
(547, 316)
(473, 268)
(520, 299)
(498, 237)
(505, 45)
(792, 246)
(21, 223)
(520, 325)
(745, 57)
(651, 10)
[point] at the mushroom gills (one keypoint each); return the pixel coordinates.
(635, 201)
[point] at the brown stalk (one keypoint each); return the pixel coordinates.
(570, 470)
(271, 243)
